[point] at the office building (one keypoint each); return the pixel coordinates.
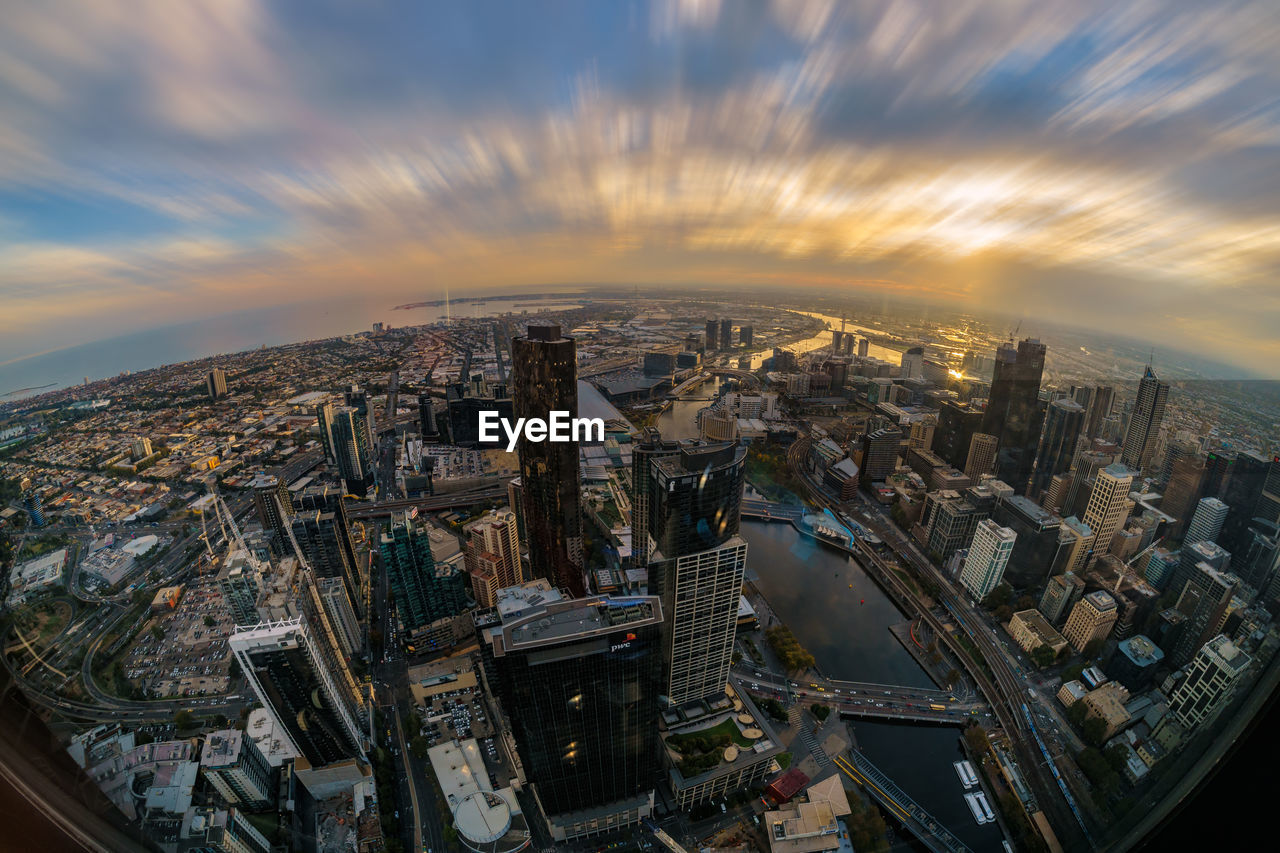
(1038, 544)
(1014, 413)
(1253, 491)
(544, 379)
(424, 591)
(1144, 424)
(1214, 670)
(464, 405)
(427, 425)
(1063, 422)
(957, 424)
(235, 768)
(358, 399)
(240, 585)
(650, 446)
(341, 613)
(1084, 474)
(880, 450)
(1184, 484)
(1091, 619)
(1060, 595)
(697, 562)
(1260, 562)
(746, 335)
(726, 333)
(1107, 509)
(1101, 399)
(324, 423)
(1206, 523)
(948, 519)
(352, 450)
(1158, 567)
(1203, 600)
(492, 555)
(912, 363)
(579, 680)
(141, 448)
(1030, 630)
(323, 534)
(274, 506)
(312, 697)
(988, 555)
(216, 383)
(981, 458)
(1135, 662)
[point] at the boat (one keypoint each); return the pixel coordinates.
(965, 772)
(976, 810)
(986, 809)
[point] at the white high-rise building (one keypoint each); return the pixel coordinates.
(704, 590)
(1208, 681)
(988, 556)
(1206, 522)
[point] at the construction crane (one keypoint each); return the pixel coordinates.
(1124, 572)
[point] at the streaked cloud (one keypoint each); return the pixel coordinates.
(1007, 155)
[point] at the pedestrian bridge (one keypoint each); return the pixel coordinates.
(882, 789)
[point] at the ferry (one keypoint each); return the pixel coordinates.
(963, 768)
(976, 810)
(986, 809)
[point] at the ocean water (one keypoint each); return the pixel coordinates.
(226, 333)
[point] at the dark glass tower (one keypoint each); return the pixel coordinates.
(711, 334)
(1244, 494)
(650, 447)
(1014, 412)
(323, 534)
(1101, 399)
(1037, 546)
(957, 422)
(1144, 423)
(726, 333)
(544, 379)
(1062, 425)
(352, 449)
(580, 681)
(695, 498)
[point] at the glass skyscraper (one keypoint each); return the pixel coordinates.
(1014, 412)
(423, 591)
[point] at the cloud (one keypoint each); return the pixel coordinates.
(954, 152)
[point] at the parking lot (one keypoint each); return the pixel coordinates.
(451, 704)
(192, 659)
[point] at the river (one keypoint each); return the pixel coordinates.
(843, 618)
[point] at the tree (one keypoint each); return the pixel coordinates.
(157, 632)
(419, 746)
(820, 711)
(1094, 731)
(1117, 757)
(1004, 613)
(209, 621)
(999, 597)
(1094, 648)
(184, 719)
(1042, 655)
(1076, 713)
(220, 720)
(1072, 673)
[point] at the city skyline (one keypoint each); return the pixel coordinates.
(1049, 161)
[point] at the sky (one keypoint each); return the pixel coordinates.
(1109, 164)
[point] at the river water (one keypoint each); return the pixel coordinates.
(843, 618)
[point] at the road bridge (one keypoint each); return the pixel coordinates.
(764, 510)
(882, 789)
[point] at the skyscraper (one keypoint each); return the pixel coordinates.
(1248, 497)
(746, 334)
(864, 346)
(1101, 399)
(1208, 681)
(358, 399)
(316, 704)
(711, 334)
(1063, 422)
(324, 421)
(697, 563)
(544, 375)
(34, 505)
(1014, 413)
(1206, 523)
(274, 505)
(726, 333)
(216, 383)
(650, 446)
(1144, 423)
(1038, 544)
(426, 417)
(981, 458)
(1091, 619)
(957, 424)
(237, 770)
(423, 590)
(880, 451)
(1060, 595)
(1108, 507)
(493, 550)
(323, 531)
(988, 555)
(1203, 600)
(579, 680)
(352, 450)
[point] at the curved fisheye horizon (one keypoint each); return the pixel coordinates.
(772, 427)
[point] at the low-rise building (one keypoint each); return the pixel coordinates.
(1107, 704)
(809, 825)
(1030, 630)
